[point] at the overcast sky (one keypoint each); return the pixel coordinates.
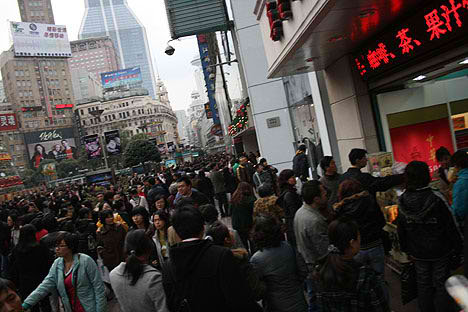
(175, 70)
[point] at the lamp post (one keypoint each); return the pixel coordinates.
(97, 114)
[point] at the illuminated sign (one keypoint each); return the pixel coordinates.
(60, 106)
(8, 122)
(44, 40)
(431, 28)
(31, 109)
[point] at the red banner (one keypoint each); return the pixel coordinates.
(420, 141)
(8, 122)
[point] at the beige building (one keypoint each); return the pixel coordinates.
(12, 139)
(36, 11)
(132, 113)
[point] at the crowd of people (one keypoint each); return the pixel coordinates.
(162, 241)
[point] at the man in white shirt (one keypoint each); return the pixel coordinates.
(137, 200)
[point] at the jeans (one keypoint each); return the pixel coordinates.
(310, 284)
(375, 258)
(431, 277)
(223, 204)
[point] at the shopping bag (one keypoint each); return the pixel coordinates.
(103, 270)
(409, 286)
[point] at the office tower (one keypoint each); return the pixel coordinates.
(115, 19)
(36, 11)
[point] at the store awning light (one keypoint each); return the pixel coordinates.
(420, 77)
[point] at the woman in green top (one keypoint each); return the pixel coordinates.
(242, 203)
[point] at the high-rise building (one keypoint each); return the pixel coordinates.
(36, 11)
(40, 92)
(182, 126)
(115, 19)
(96, 55)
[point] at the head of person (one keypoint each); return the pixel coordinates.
(133, 193)
(263, 162)
(27, 238)
(188, 223)
(138, 249)
(100, 197)
(220, 234)
(140, 217)
(184, 186)
(258, 168)
(348, 188)
(314, 194)
(106, 206)
(66, 244)
(161, 220)
(358, 157)
(106, 217)
(173, 189)
(12, 220)
(242, 191)
(417, 175)
(160, 202)
(9, 299)
(32, 208)
(443, 157)
(39, 149)
(265, 190)
(57, 148)
(328, 165)
(209, 212)
(266, 232)
(345, 243)
(286, 179)
(243, 160)
(151, 181)
(460, 160)
(65, 144)
(38, 224)
(302, 148)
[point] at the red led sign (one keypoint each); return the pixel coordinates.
(440, 23)
(8, 122)
(59, 106)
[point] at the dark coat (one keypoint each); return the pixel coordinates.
(370, 183)
(426, 227)
(301, 166)
(242, 214)
(362, 209)
(155, 190)
(28, 268)
(112, 239)
(5, 237)
(212, 278)
(290, 201)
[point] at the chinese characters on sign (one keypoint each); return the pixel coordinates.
(8, 122)
(429, 29)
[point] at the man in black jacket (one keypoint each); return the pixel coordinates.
(203, 276)
(301, 164)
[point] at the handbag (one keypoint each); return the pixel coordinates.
(103, 270)
(409, 286)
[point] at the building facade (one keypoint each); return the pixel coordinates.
(132, 114)
(11, 138)
(182, 126)
(85, 84)
(96, 55)
(115, 19)
(36, 11)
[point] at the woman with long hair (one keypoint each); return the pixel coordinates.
(38, 156)
(242, 205)
(289, 200)
(14, 225)
(344, 284)
(140, 218)
(136, 284)
(74, 276)
(30, 263)
(161, 222)
(279, 266)
(160, 203)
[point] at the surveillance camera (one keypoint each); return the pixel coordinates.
(169, 50)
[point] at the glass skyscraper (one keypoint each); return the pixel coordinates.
(115, 19)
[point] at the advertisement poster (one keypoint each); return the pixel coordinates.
(420, 141)
(57, 145)
(92, 146)
(8, 122)
(33, 39)
(162, 149)
(121, 77)
(112, 142)
(171, 147)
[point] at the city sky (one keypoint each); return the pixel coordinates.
(175, 70)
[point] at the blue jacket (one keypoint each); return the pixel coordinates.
(460, 195)
(86, 278)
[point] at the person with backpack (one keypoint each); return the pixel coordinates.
(86, 231)
(137, 285)
(201, 276)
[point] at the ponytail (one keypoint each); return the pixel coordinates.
(336, 271)
(137, 244)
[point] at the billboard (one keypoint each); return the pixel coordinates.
(33, 39)
(112, 142)
(8, 122)
(58, 144)
(162, 148)
(171, 147)
(92, 146)
(121, 77)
